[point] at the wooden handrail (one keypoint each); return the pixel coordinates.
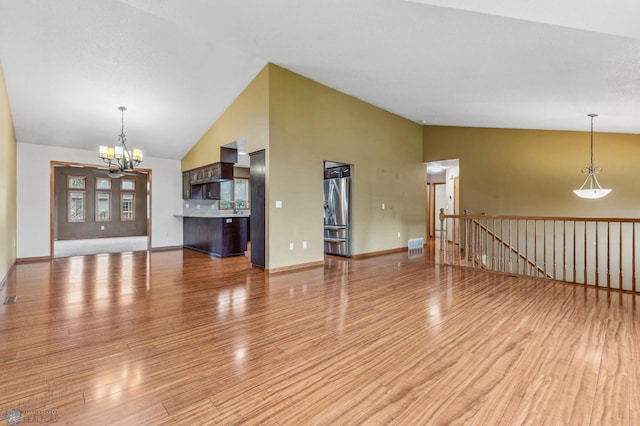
(583, 250)
(512, 249)
(548, 218)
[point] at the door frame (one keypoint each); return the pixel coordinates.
(54, 163)
(431, 208)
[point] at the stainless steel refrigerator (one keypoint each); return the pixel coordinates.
(337, 217)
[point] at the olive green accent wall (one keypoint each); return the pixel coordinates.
(533, 172)
(8, 160)
(241, 172)
(247, 117)
(310, 123)
(301, 124)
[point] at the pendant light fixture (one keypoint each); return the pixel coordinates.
(119, 157)
(590, 188)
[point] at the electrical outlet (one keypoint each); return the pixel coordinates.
(291, 246)
(398, 234)
(102, 227)
(304, 244)
(382, 206)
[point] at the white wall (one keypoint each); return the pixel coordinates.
(34, 195)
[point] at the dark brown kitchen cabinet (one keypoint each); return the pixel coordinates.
(211, 191)
(204, 182)
(186, 186)
(258, 209)
(228, 155)
(221, 171)
(219, 236)
(212, 173)
(193, 176)
(205, 191)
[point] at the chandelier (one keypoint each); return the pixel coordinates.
(119, 157)
(591, 189)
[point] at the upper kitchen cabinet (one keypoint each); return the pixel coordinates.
(204, 182)
(228, 155)
(186, 185)
(220, 171)
(215, 172)
(195, 176)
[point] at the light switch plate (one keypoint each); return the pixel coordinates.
(278, 204)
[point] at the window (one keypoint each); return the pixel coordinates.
(103, 206)
(226, 195)
(234, 194)
(127, 207)
(75, 207)
(76, 182)
(241, 193)
(103, 183)
(128, 185)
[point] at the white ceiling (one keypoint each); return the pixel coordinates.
(178, 64)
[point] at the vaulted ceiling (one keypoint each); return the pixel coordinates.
(178, 64)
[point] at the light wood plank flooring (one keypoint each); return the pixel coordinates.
(178, 337)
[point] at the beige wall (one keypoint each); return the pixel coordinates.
(241, 172)
(247, 117)
(533, 172)
(8, 220)
(301, 123)
(310, 123)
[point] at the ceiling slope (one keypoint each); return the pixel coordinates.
(177, 65)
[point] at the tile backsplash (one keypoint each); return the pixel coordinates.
(199, 206)
(205, 207)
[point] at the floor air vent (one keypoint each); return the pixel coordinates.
(10, 299)
(415, 243)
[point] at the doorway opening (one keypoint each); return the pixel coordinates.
(443, 192)
(93, 211)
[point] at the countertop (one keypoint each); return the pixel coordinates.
(212, 216)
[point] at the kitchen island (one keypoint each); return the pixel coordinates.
(220, 235)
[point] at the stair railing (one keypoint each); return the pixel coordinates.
(590, 251)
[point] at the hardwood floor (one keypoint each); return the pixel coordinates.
(179, 337)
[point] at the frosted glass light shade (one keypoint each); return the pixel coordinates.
(591, 193)
(105, 152)
(594, 189)
(119, 151)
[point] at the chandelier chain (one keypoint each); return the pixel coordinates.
(120, 158)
